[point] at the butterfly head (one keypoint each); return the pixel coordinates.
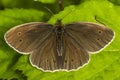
(58, 24)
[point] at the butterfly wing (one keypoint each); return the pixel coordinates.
(91, 36)
(74, 56)
(26, 37)
(44, 57)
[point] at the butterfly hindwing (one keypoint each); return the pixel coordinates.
(45, 57)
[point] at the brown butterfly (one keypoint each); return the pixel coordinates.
(58, 47)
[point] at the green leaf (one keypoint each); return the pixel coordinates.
(116, 2)
(44, 1)
(17, 3)
(102, 66)
(8, 57)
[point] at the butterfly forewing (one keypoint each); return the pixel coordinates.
(26, 37)
(92, 37)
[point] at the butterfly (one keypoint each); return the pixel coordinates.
(58, 47)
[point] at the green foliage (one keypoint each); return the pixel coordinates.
(17, 3)
(44, 1)
(116, 2)
(102, 66)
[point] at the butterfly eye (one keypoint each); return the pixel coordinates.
(65, 61)
(72, 60)
(98, 39)
(20, 40)
(99, 31)
(19, 33)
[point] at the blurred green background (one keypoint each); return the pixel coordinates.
(102, 66)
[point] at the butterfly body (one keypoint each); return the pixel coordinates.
(56, 47)
(59, 32)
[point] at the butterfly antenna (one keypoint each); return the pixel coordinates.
(49, 10)
(98, 20)
(61, 8)
(67, 14)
